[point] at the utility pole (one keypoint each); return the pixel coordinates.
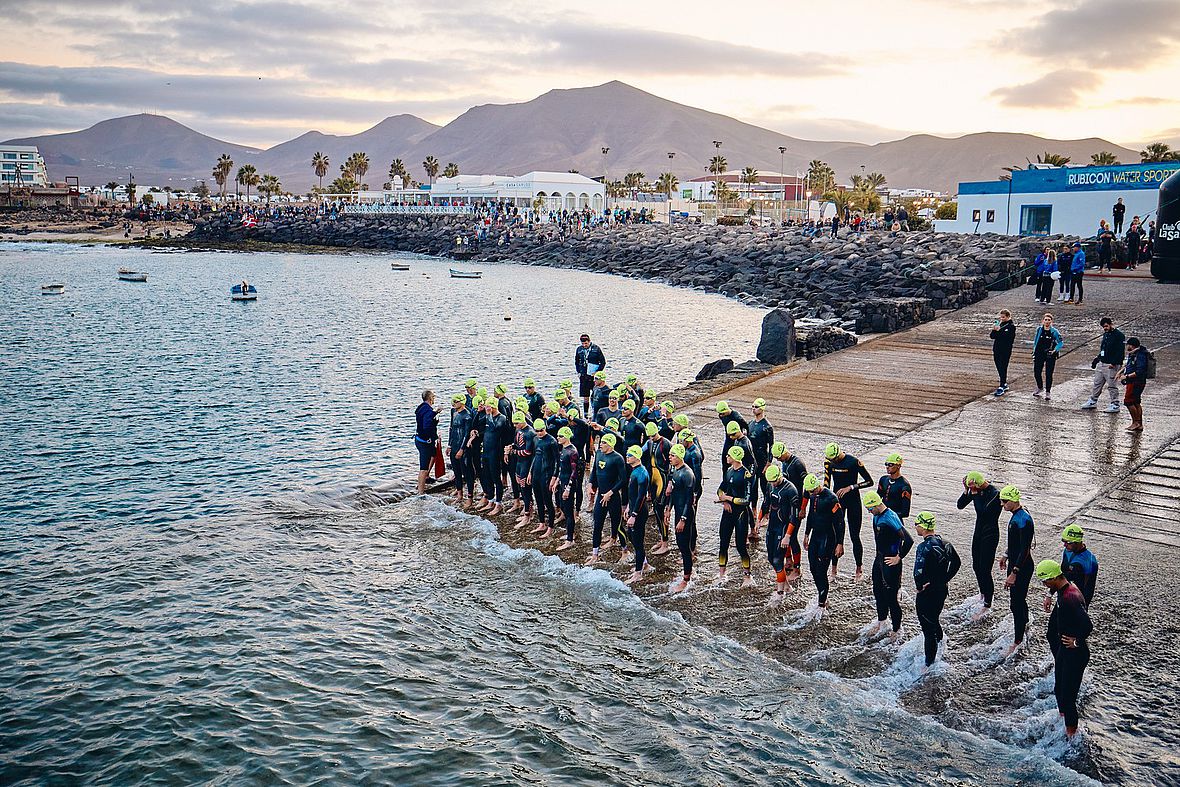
(605, 181)
(671, 156)
(782, 181)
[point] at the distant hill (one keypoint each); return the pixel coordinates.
(557, 131)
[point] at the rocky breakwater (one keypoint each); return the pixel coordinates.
(851, 281)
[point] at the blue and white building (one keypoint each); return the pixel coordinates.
(1058, 200)
(22, 165)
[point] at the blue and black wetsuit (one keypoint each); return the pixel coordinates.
(493, 455)
(684, 509)
(543, 470)
(892, 540)
(456, 441)
(736, 521)
(935, 562)
(761, 437)
(479, 425)
(599, 400)
(896, 493)
(825, 524)
(633, 432)
(782, 520)
(523, 445)
(638, 506)
(840, 473)
(694, 457)
(581, 438)
(569, 481)
(986, 538)
(795, 471)
(735, 416)
(1020, 564)
(1081, 568)
(1069, 619)
(607, 476)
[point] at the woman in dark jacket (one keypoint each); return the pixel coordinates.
(1134, 376)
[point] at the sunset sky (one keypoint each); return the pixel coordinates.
(261, 72)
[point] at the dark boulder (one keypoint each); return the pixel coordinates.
(711, 370)
(777, 345)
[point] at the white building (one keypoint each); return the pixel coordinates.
(770, 185)
(556, 190)
(22, 165)
(1058, 200)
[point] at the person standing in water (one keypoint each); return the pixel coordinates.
(894, 489)
(569, 476)
(985, 539)
(935, 564)
(761, 435)
(638, 507)
(456, 439)
(893, 543)
(425, 436)
(734, 497)
(841, 472)
(1068, 632)
(825, 518)
(781, 505)
(682, 516)
(1078, 563)
(1018, 561)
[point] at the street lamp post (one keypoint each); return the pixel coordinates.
(782, 152)
(605, 182)
(671, 155)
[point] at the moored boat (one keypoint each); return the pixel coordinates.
(399, 266)
(130, 275)
(465, 274)
(236, 293)
(52, 289)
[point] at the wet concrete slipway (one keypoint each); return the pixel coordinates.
(926, 393)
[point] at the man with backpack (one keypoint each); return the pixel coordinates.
(1106, 365)
(1140, 368)
(935, 564)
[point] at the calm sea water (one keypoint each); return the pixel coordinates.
(199, 583)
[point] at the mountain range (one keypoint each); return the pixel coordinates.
(558, 131)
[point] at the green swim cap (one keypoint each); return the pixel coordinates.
(649, 395)
(651, 430)
(831, 450)
(722, 406)
(677, 451)
(521, 403)
(773, 473)
(613, 395)
(688, 435)
(893, 459)
(1010, 494)
(632, 378)
(629, 405)
(492, 403)
(872, 500)
(518, 418)
(810, 483)
(1073, 534)
(612, 423)
(778, 449)
(477, 401)
(529, 382)
(680, 419)
(471, 383)
(458, 398)
(760, 403)
(501, 389)
(976, 477)
(483, 392)
(635, 452)
(600, 375)
(925, 520)
(572, 412)
(609, 439)
(732, 427)
(1048, 569)
(667, 406)
(539, 425)
(566, 432)
(737, 453)
(560, 394)
(567, 384)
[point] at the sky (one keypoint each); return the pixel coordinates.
(260, 72)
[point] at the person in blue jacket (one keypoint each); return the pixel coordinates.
(1043, 266)
(1065, 270)
(425, 436)
(1077, 270)
(1047, 346)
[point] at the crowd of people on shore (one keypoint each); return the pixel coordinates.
(635, 464)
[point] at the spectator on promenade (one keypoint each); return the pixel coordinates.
(1003, 335)
(1047, 346)
(903, 218)
(588, 359)
(835, 225)
(1134, 242)
(1134, 376)
(1064, 271)
(1077, 271)
(1106, 366)
(1118, 211)
(1105, 246)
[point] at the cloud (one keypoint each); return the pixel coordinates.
(1098, 33)
(831, 129)
(1058, 89)
(1144, 101)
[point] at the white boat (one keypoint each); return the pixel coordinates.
(129, 275)
(52, 289)
(236, 294)
(466, 274)
(399, 266)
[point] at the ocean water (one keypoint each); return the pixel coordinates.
(208, 572)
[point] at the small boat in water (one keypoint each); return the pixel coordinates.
(466, 274)
(236, 293)
(399, 266)
(52, 289)
(129, 275)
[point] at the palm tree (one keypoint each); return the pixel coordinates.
(270, 186)
(749, 177)
(875, 180)
(319, 165)
(398, 170)
(820, 176)
(667, 183)
(717, 166)
(1103, 159)
(131, 191)
(1158, 152)
(451, 171)
(248, 176)
(430, 166)
(111, 186)
(221, 170)
(1053, 159)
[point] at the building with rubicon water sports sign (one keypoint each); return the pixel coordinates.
(1044, 200)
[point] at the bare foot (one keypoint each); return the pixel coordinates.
(547, 534)
(679, 585)
(749, 582)
(662, 548)
(859, 575)
(635, 577)
(565, 545)
(1015, 646)
(497, 509)
(592, 560)
(776, 599)
(721, 578)
(981, 614)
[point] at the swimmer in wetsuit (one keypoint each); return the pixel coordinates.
(795, 471)
(935, 564)
(656, 459)
(1018, 561)
(841, 472)
(893, 543)
(781, 511)
(761, 437)
(734, 498)
(520, 453)
(728, 415)
(985, 539)
(606, 490)
(825, 520)
(682, 515)
(569, 476)
(1078, 563)
(894, 489)
(1068, 634)
(535, 400)
(638, 508)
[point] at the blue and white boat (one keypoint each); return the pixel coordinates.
(236, 293)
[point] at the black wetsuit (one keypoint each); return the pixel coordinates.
(536, 402)
(656, 459)
(523, 446)
(479, 424)
(892, 540)
(493, 456)
(782, 519)
(456, 441)
(1020, 563)
(599, 400)
(638, 506)
(1069, 619)
(543, 470)
(736, 417)
(935, 562)
(839, 473)
(607, 476)
(825, 526)
(569, 479)
(761, 437)
(683, 501)
(736, 521)
(896, 493)
(986, 538)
